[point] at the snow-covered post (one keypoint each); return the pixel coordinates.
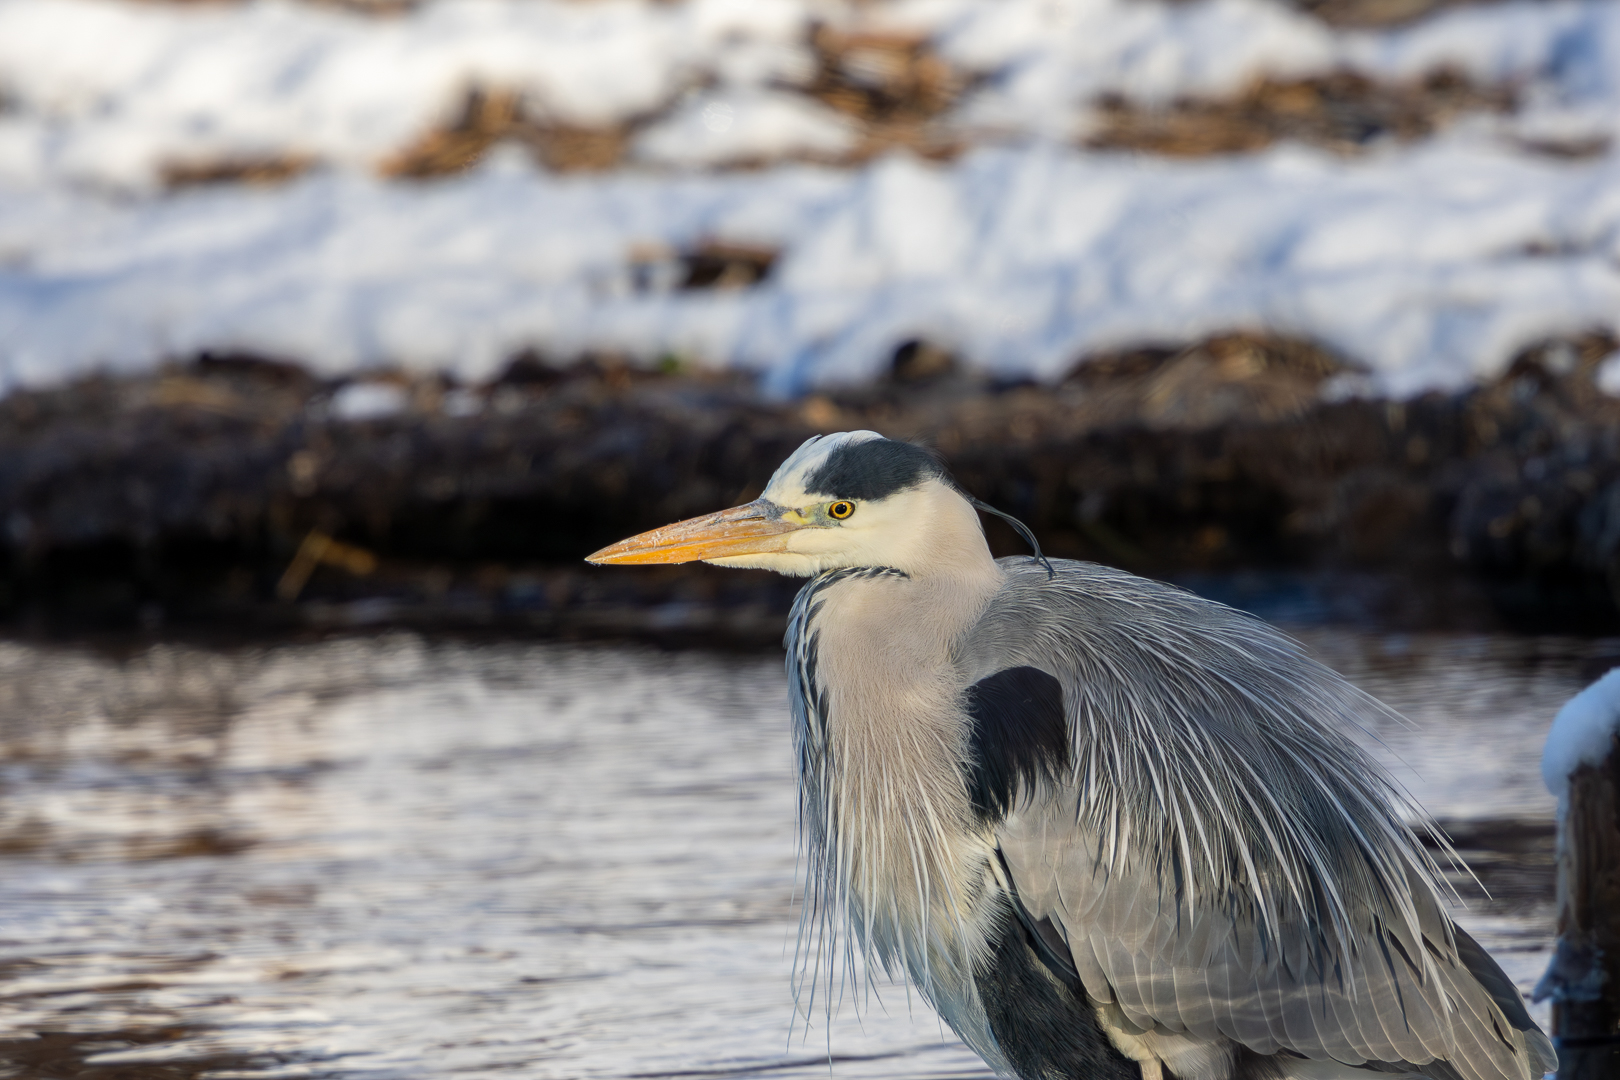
(1581, 765)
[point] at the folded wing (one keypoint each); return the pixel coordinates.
(1220, 858)
(1433, 1003)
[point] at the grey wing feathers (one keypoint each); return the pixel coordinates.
(1224, 860)
(1210, 974)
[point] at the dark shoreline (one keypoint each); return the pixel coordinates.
(179, 500)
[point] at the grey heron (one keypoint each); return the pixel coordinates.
(1108, 828)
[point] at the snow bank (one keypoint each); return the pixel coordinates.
(1047, 61)
(1582, 734)
(105, 92)
(1564, 58)
(1432, 265)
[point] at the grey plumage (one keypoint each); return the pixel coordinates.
(1222, 862)
(1107, 828)
(1234, 866)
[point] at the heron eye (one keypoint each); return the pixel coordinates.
(840, 510)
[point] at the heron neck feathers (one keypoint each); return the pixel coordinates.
(894, 749)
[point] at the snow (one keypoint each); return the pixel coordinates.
(743, 125)
(1582, 734)
(107, 92)
(1050, 60)
(368, 401)
(110, 91)
(1608, 375)
(1431, 265)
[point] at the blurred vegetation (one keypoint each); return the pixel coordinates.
(247, 491)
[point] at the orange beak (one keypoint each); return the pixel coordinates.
(749, 529)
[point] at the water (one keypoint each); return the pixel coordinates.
(380, 857)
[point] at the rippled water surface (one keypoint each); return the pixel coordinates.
(381, 857)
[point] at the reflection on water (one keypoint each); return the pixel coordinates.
(377, 857)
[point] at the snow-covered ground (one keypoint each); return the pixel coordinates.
(1433, 264)
(1429, 263)
(105, 92)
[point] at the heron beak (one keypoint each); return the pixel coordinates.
(755, 527)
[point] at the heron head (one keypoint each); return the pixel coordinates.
(851, 499)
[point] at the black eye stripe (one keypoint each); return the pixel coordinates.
(872, 469)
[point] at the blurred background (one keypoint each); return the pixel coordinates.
(334, 334)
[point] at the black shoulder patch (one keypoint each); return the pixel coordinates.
(1020, 735)
(874, 469)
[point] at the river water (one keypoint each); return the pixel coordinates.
(388, 857)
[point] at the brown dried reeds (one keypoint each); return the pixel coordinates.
(1370, 14)
(489, 116)
(275, 169)
(893, 85)
(1343, 112)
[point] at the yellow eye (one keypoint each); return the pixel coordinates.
(840, 510)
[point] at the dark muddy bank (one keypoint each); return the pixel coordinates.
(237, 493)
